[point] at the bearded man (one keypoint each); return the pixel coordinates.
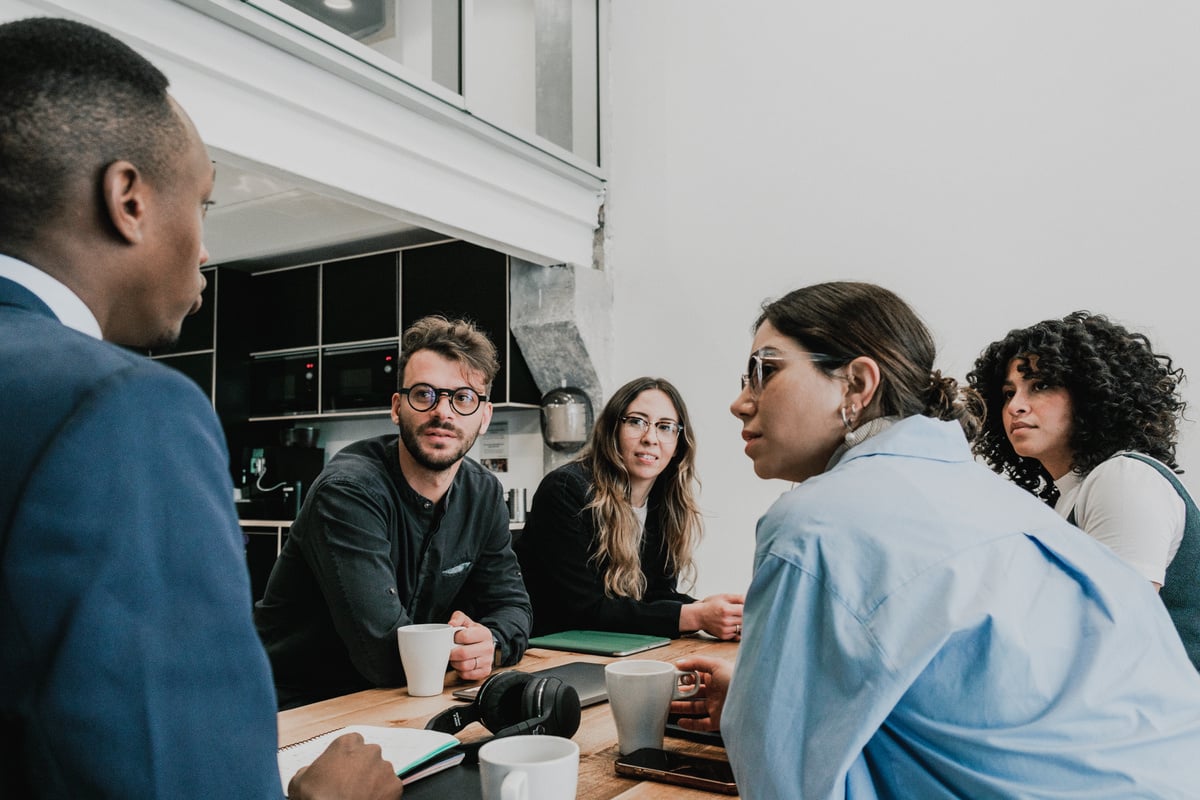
(401, 529)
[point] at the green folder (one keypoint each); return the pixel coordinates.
(600, 643)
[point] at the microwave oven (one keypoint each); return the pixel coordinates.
(284, 384)
(360, 378)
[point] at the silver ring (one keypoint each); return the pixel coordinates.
(737, 630)
(476, 664)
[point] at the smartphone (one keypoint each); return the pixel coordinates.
(683, 769)
(704, 737)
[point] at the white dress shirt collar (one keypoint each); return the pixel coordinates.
(66, 305)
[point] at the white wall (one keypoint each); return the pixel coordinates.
(995, 164)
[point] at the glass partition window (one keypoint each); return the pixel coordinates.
(528, 67)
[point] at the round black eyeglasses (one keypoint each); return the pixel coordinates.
(423, 397)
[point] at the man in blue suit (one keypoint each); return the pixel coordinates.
(129, 666)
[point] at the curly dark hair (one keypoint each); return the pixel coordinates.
(1124, 396)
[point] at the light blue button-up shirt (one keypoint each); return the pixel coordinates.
(918, 627)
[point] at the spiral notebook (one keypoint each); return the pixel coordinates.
(413, 752)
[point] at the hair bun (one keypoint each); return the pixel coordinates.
(945, 399)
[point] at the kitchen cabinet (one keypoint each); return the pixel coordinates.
(324, 338)
(459, 279)
(360, 299)
(263, 540)
(194, 352)
(217, 325)
(198, 330)
(284, 309)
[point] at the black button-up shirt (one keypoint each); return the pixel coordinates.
(367, 554)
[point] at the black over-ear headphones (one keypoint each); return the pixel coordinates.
(512, 703)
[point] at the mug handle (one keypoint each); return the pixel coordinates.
(515, 786)
(684, 691)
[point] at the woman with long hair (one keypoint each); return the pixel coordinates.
(610, 534)
(915, 625)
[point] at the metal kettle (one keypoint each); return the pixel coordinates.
(516, 505)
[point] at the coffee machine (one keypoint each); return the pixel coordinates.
(275, 479)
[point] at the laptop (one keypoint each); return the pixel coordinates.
(587, 678)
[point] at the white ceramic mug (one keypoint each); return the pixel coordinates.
(425, 652)
(640, 694)
(529, 768)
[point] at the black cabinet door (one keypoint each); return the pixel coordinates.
(197, 330)
(459, 280)
(197, 366)
(522, 388)
(284, 308)
(358, 299)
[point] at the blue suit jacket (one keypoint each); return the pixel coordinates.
(129, 666)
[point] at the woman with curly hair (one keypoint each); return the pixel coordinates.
(1084, 414)
(610, 533)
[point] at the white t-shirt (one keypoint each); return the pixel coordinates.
(640, 512)
(1128, 506)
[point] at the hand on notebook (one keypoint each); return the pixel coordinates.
(475, 648)
(702, 711)
(349, 769)
(718, 615)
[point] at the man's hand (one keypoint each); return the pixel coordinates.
(472, 658)
(349, 769)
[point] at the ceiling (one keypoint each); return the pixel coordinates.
(260, 221)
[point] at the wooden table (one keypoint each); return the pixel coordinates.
(596, 737)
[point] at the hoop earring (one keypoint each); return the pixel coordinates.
(848, 420)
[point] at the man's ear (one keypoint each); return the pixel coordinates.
(862, 378)
(123, 197)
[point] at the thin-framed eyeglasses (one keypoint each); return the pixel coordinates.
(665, 429)
(423, 397)
(762, 366)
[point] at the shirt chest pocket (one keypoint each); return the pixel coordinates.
(441, 584)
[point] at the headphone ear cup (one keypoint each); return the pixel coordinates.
(552, 704)
(561, 700)
(501, 699)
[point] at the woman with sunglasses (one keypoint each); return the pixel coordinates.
(1084, 414)
(916, 625)
(610, 534)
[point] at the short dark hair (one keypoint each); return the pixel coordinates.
(73, 100)
(455, 339)
(844, 320)
(1124, 396)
